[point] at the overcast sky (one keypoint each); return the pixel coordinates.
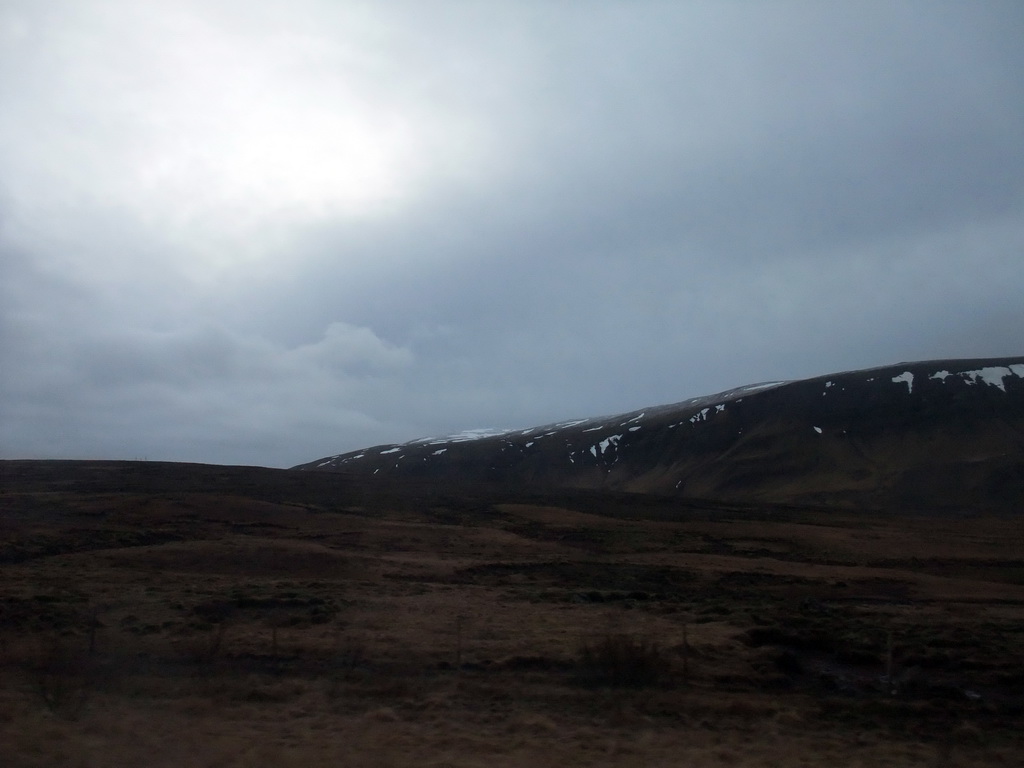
(263, 232)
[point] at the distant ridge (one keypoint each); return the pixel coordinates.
(934, 434)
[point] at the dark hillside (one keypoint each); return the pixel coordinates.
(943, 433)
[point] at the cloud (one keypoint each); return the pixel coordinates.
(267, 232)
(199, 392)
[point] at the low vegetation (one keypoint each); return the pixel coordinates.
(624, 660)
(250, 620)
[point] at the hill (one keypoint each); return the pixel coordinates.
(941, 433)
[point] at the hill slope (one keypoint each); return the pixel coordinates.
(945, 433)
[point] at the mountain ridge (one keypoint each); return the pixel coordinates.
(936, 433)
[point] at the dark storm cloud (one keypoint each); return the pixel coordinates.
(599, 211)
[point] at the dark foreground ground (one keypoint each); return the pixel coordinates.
(168, 615)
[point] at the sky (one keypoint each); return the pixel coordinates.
(266, 232)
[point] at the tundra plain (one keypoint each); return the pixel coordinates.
(170, 614)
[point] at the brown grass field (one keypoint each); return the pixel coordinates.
(185, 615)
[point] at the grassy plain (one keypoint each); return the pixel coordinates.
(169, 615)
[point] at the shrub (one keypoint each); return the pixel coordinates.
(202, 648)
(63, 677)
(624, 660)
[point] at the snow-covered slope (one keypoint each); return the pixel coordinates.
(948, 431)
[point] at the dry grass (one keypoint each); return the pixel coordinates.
(285, 632)
(624, 660)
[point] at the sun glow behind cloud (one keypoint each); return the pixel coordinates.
(240, 125)
(221, 139)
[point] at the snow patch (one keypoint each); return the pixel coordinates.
(573, 423)
(701, 415)
(439, 452)
(604, 445)
(462, 437)
(755, 387)
(390, 450)
(817, 429)
(477, 434)
(994, 375)
(905, 378)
